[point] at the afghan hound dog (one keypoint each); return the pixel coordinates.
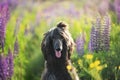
(57, 47)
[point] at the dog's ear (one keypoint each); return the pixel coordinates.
(62, 25)
(71, 48)
(45, 45)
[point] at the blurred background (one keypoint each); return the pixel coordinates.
(93, 24)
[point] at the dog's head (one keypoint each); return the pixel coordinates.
(58, 42)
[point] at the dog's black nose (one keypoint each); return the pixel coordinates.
(58, 49)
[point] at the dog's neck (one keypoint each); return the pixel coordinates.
(57, 65)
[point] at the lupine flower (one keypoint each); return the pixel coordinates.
(106, 33)
(16, 47)
(99, 39)
(80, 41)
(6, 66)
(3, 67)
(9, 60)
(13, 3)
(6, 63)
(4, 16)
(117, 8)
(98, 27)
(92, 42)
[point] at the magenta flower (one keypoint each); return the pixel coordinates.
(4, 16)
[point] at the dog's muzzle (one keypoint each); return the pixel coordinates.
(58, 48)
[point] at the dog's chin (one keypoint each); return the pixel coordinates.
(58, 54)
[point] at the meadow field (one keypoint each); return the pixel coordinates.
(93, 24)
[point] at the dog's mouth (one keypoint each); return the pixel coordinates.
(57, 54)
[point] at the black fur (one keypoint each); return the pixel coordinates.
(59, 39)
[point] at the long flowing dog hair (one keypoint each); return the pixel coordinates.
(57, 47)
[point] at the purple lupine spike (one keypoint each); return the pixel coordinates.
(2, 44)
(3, 67)
(16, 47)
(4, 16)
(80, 41)
(106, 33)
(117, 9)
(92, 42)
(6, 66)
(13, 3)
(10, 64)
(97, 33)
(99, 39)
(5, 12)
(2, 34)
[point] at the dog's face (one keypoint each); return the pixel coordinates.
(57, 43)
(58, 47)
